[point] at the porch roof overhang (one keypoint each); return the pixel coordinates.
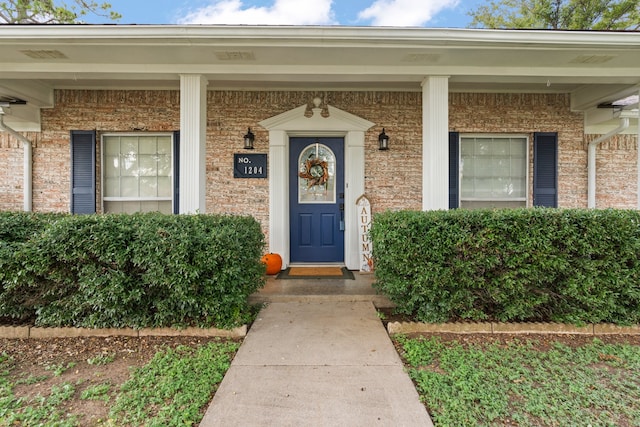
(594, 67)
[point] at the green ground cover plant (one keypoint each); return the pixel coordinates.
(172, 388)
(519, 382)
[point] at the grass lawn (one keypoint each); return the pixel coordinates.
(522, 382)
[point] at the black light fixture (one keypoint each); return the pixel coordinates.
(248, 140)
(383, 141)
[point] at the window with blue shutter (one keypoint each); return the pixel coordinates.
(545, 169)
(83, 172)
(454, 176)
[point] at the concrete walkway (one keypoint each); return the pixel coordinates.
(317, 363)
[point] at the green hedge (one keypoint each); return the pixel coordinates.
(575, 266)
(142, 270)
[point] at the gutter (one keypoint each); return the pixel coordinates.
(214, 35)
(28, 168)
(591, 156)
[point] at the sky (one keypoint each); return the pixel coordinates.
(395, 13)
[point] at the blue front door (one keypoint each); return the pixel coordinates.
(316, 191)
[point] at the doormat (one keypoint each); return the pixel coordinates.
(316, 273)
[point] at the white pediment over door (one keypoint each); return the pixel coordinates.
(301, 122)
(298, 120)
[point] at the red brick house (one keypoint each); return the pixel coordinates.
(139, 118)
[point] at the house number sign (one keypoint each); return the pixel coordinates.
(249, 165)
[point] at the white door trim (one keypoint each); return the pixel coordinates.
(295, 123)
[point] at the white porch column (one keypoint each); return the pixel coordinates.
(354, 188)
(279, 195)
(435, 143)
(193, 133)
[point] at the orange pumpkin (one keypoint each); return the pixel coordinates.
(273, 263)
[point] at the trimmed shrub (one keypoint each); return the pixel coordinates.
(569, 265)
(17, 229)
(141, 270)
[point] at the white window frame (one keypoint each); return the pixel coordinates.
(136, 199)
(524, 199)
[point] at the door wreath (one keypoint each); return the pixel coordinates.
(316, 172)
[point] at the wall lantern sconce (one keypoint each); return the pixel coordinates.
(383, 141)
(248, 140)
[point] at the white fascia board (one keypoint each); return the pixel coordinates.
(375, 36)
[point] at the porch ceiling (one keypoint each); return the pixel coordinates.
(594, 66)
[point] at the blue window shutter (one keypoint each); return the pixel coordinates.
(176, 172)
(454, 175)
(83, 172)
(545, 169)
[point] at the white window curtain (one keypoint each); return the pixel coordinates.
(137, 171)
(493, 171)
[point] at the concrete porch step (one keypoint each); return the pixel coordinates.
(321, 290)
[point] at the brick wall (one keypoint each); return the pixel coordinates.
(392, 178)
(525, 114)
(616, 171)
(11, 167)
(105, 111)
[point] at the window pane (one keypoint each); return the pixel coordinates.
(467, 149)
(112, 166)
(147, 165)
(518, 149)
(135, 167)
(148, 187)
(112, 146)
(164, 145)
(147, 145)
(129, 145)
(164, 165)
(493, 169)
(112, 187)
(129, 165)
(483, 167)
(164, 186)
(129, 187)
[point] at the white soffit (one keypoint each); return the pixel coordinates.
(317, 58)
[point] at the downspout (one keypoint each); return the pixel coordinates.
(591, 156)
(28, 169)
